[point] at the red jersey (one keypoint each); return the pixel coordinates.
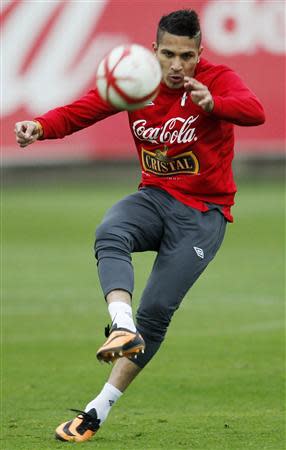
(182, 149)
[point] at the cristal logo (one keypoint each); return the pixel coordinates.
(176, 129)
(50, 51)
(244, 27)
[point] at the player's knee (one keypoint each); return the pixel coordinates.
(154, 319)
(109, 240)
(103, 231)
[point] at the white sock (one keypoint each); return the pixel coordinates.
(104, 401)
(121, 314)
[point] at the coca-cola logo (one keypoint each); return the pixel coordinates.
(50, 51)
(176, 129)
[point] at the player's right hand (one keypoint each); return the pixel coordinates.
(27, 132)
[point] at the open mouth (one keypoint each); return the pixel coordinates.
(176, 78)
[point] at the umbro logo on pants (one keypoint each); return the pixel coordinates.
(199, 252)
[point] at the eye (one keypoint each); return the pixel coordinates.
(167, 53)
(187, 56)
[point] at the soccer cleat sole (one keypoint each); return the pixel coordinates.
(108, 353)
(111, 356)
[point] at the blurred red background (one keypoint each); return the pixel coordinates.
(51, 51)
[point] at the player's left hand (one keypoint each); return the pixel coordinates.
(200, 94)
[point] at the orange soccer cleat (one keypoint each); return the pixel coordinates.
(121, 342)
(80, 429)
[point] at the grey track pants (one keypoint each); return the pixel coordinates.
(185, 240)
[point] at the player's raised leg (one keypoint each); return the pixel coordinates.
(116, 238)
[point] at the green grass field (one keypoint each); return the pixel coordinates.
(216, 384)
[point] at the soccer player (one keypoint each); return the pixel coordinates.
(185, 144)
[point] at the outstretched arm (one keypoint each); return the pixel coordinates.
(65, 120)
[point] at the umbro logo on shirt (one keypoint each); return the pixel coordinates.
(150, 103)
(199, 252)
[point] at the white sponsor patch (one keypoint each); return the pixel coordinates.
(199, 252)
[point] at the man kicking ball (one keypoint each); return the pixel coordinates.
(185, 145)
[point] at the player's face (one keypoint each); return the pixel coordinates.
(178, 57)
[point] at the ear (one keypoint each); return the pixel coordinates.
(199, 53)
(155, 46)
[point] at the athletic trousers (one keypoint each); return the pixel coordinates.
(185, 240)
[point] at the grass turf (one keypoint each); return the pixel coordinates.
(216, 384)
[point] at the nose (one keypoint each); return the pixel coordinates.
(176, 65)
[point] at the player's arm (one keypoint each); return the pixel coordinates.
(228, 99)
(65, 120)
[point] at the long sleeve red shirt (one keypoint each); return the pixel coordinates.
(181, 148)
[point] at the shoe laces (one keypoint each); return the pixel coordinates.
(89, 421)
(109, 328)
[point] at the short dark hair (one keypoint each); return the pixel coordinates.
(184, 22)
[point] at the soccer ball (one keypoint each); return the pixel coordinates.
(128, 77)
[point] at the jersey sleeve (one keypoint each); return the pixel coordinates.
(84, 112)
(234, 102)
